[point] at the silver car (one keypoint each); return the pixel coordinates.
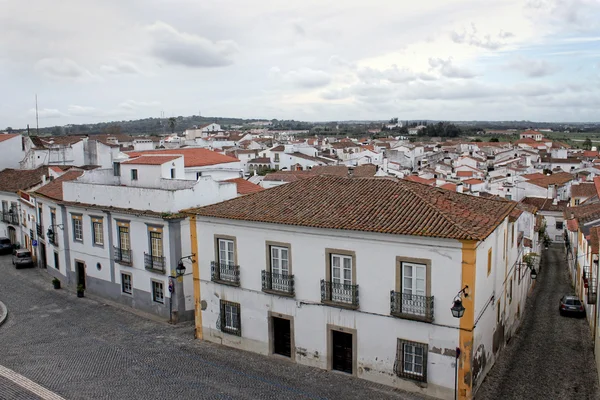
(22, 259)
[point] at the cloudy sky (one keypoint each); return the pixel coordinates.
(102, 60)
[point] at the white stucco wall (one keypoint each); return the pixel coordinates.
(12, 152)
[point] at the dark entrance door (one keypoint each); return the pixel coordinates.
(42, 255)
(80, 268)
(282, 342)
(342, 351)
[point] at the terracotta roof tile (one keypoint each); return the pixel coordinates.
(544, 204)
(559, 178)
(583, 190)
(464, 174)
(260, 160)
(192, 157)
(13, 180)
(54, 189)
(473, 181)
(572, 225)
(595, 239)
(7, 136)
(583, 213)
(278, 148)
(384, 205)
(418, 179)
(449, 186)
(537, 175)
(245, 187)
(158, 159)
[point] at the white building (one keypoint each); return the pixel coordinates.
(12, 148)
(366, 291)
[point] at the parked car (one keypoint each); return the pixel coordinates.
(6, 246)
(22, 259)
(571, 305)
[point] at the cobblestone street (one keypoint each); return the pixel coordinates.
(551, 357)
(83, 349)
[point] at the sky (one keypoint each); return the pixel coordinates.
(313, 60)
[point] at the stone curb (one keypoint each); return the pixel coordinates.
(3, 313)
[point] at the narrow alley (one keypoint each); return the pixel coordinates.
(550, 357)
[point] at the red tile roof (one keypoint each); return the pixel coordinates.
(537, 175)
(13, 180)
(7, 136)
(473, 181)
(572, 225)
(54, 189)
(192, 157)
(158, 159)
(464, 174)
(449, 186)
(597, 185)
(418, 179)
(583, 190)
(384, 205)
(544, 204)
(278, 148)
(245, 187)
(559, 178)
(595, 238)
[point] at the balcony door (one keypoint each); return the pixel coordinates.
(341, 278)
(414, 285)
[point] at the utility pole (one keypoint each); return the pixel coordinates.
(37, 121)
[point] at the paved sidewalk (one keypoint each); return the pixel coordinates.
(83, 349)
(3, 313)
(551, 357)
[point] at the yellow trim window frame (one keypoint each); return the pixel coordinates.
(98, 231)
(77, 228)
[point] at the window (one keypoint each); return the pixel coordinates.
(56, 265)
(414, 278)
(134, 175)
(231, 318)
(276, 157)
(116, 169)
(158, 295)
(124, 236)
(172, 173)
(411, 360)
(98, 231)
(226, 252)
(559, 225)
(126, 286)
(280, 260)
(156, 248)
(558, 238)
(54, 238)
(498, 315)
(277, 166)
(508, 197)
(341, 269)
(77, 228)
(198, 175)
(489, 262)
(577, 202)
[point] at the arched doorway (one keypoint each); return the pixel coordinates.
(12, 234)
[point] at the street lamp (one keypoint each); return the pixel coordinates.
(458, 310)
(179, 272)
(50, 233)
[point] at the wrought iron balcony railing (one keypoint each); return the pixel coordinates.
(225, 273)
(154, 263)
(411, 306)
(10, 218)
(40, 230)
(122, 256)
(339, 294)
(278, 283)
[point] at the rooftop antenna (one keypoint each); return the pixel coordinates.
(37, 121)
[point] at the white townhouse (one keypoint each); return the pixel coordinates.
(120, 235)
(359, 275)
(200, 162)
(12, 148)
(15, 186)
(293, 157)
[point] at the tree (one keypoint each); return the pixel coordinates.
(9, 129)
(113, 130)
(172, 123)
(587, 144)
(494, 140)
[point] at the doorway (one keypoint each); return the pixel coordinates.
(43, 255)
(12, 235)
(342, 356)
(282, 339)
(80, 270)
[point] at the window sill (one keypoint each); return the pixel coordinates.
(127, 294)
(155, 270)
(412, 317)
(227, 283)
(278, 293)
(346, 306)
(158, 302)
(126, 263)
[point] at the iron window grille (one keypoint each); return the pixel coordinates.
(158, 294)
(411, 360)
(280, 283)
(225, 273)
(154, 263)
(126, 283)
(40, 230)
(411, 306)
(122, 256)
(339, 293)
(231, 319)
(592, 295)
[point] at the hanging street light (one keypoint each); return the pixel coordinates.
(457, 309)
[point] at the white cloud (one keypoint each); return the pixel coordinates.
(121, 68)
(63, 69)
(47, 113)
(180, 48)
(133, 105)
(449, 70)
(533, 68)
(305, 78)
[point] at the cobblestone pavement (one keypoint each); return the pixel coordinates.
(83, 349)
(551, 357)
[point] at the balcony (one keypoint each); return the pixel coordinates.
(40, 230)
(280, 284)
(10, 218)
(121, 256)
(339, 294)
(225, 273)
(411, 306)
(154, 263)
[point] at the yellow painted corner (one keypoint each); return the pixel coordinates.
(196, 277)
(468, 273)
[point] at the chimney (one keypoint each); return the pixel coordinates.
(555, 202)
(350, 172)
(459, 188)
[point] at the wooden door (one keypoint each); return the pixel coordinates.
(282, 340)
(342, 351)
